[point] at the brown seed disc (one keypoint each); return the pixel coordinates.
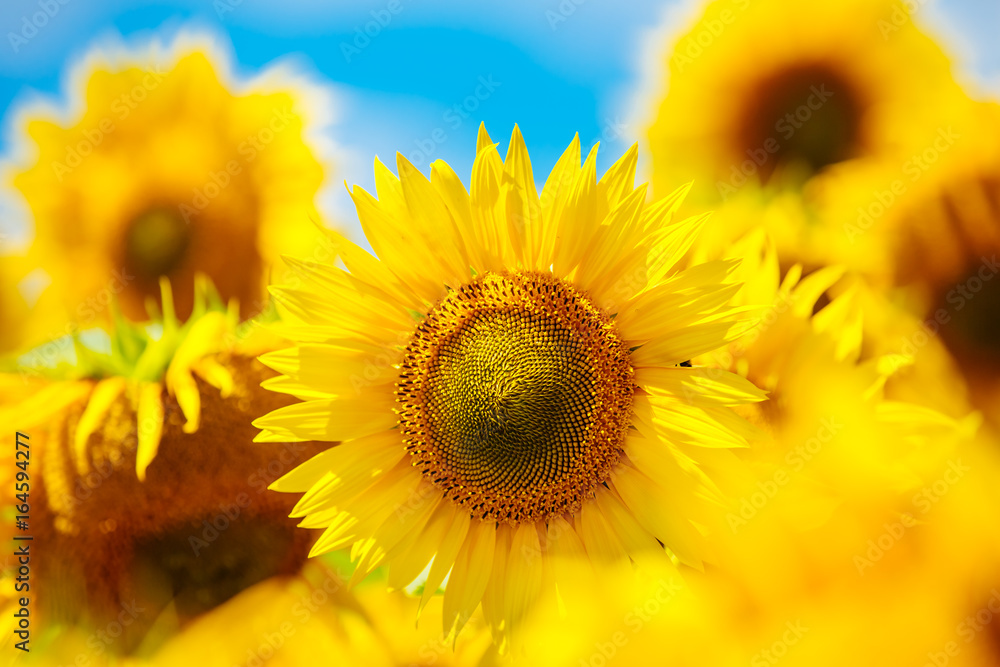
(515, 396)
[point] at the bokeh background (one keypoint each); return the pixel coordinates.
(559, 67)
(420, 78)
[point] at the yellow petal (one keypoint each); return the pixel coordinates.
(470, 576)
(330, 420)
(600, 539)
(372, 455)
(554, 199)
(104, 395)
(700, 386)
(444, 559)
(652, 508)
(150, 417)
(520, 202)
(523, 578)
(421, 546)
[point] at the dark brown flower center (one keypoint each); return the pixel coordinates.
(156, 243)
(807, 116)
(515, 396)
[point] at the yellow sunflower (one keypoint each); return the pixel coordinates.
(507, 378)
(930, 599)
(832, 430)
(765, 92)
(149, 502)
(14, 307)
(163, 168)
(941, 251)
(285, 621)
(864, 513)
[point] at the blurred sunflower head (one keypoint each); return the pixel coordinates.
(942, 255)
(149, 499)
(852, 508)
(167, 170)
(807, 350)
(281, 622)
(758, 92)
(508, 380)
(14, 307)
(841, 459)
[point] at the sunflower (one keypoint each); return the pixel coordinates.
(927, 600)
(287, 621)
(507, 379)
(762, 92)
(940, 245)
(14, 306)
(863, 513)
(831, 426)
(148, 500)
(166, 170)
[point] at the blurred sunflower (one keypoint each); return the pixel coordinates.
(507, 380)
(759, 93)
(826, 410)
(14, 307)
(921, 604)
(864, 513)
(941, 243)
(149, 504)
(167, 171)
(286, 621)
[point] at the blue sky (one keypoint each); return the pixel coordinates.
(553, 78)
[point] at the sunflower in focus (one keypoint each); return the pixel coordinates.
(763, 93)
(508, 382)
(168, 171)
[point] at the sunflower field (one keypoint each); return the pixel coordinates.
(557, 333)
